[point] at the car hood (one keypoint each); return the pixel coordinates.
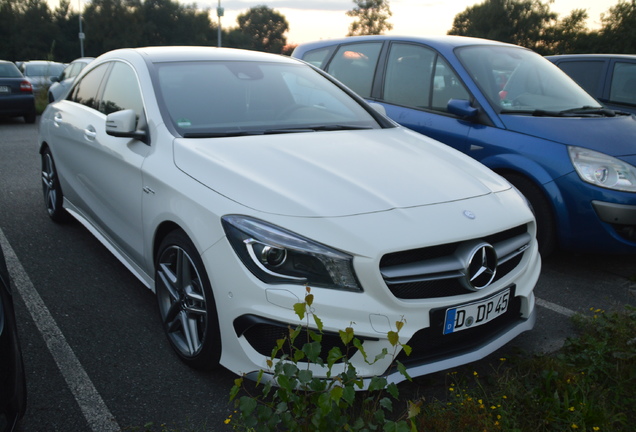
(611, 135)
(322, 174)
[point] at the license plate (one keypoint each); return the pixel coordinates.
(4, 89)
(475, 314)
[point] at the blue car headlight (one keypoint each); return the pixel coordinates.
(603, 170)
(277, 256)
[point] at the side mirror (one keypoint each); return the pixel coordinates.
(123, 124)
(379, 108)
(461, 108)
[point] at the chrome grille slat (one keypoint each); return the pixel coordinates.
(437, 271)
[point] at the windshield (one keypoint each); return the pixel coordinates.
(517, 80)
(231, 98)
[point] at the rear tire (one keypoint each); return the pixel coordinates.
(186, 303)
(540, 206)
(53, 197)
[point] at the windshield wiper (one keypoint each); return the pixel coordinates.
(220, 134)
(226, 134)
(321, 128)
(597, 110)
(585, 111)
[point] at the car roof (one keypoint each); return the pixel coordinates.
(447, 41)
(194, 53)
(37, 62)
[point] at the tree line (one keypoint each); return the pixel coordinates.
(30, 29)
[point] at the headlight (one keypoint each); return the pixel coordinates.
(277, 256)
(602, 170)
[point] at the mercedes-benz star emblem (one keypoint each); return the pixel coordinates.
(481, 267)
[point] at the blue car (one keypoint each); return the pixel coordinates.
(610, 78)
(514, 111)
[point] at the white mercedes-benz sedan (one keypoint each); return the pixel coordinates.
(229, 181)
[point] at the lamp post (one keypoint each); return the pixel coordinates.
(219, 14)
(81, 33)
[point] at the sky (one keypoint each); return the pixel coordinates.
(326, 19)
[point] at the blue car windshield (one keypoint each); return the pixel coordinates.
(517, 80)
(234, 98)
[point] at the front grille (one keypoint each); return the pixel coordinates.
(438, 271)
(431, 344)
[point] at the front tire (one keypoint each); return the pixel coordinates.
(52, 191)
(186, 303)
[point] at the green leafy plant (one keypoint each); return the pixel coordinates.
(291, 398)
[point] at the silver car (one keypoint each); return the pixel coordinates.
(62, 83)
(39, 73)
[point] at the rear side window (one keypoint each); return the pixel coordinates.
(354, 65)
(623, 88)
(85, 91)
(587, 74)
(317, 57)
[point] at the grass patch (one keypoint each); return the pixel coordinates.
(41, 100)
(587, 386)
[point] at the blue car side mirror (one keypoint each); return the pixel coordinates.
(462, 108)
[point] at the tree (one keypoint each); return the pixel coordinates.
(570, 35)
(167, 22)
(265, 29)
(112, 24)
(521, 22)
(618, 32)
(371, 17)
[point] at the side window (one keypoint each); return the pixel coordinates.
(419, 78)
(318, 56)
(85, 91)
(121, 91)
(76, 68)
(446, 86)
(587, 74)
(623, 89)
(354, 65)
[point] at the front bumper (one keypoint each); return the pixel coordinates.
(253, 315)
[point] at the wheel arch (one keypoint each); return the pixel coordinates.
(161, 232)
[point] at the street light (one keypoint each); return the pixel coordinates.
(81, 34)
(219, 13)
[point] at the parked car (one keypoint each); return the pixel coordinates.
(62, 83)
(16, 93)
(13, 390)
(515, 112)
(40, 73)
(610, 78)
(231, 196)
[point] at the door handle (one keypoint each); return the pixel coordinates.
(90, 133)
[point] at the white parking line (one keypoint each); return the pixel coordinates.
(90, 402)
(555, 307)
